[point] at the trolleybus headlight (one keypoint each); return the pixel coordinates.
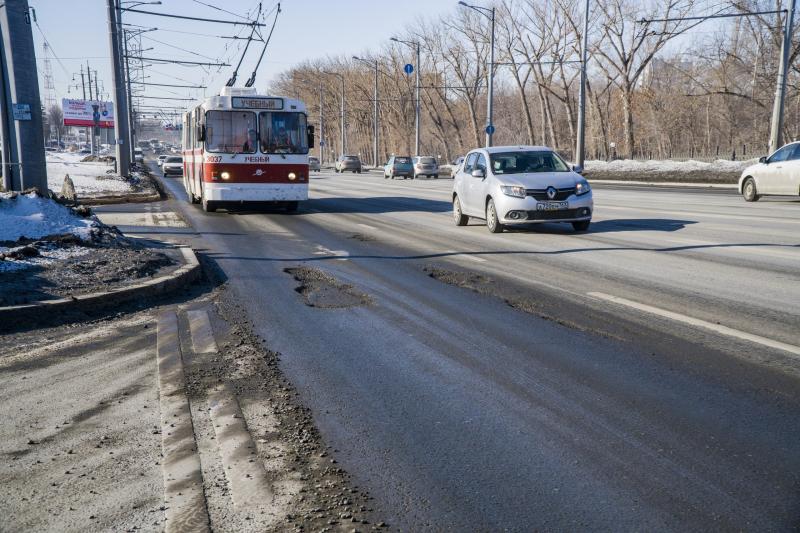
(225, 175)
(292, 176)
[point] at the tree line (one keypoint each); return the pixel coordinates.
(661, 84)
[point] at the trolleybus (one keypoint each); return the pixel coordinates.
(241, 147)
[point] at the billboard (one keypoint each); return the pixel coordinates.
(81, 113)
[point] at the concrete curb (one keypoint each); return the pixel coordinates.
(670, 184)
(187, 273)
(136, 197)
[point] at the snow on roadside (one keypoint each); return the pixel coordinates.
(89, 178)
(34, 217)
(629, 165)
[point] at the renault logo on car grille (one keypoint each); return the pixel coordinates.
(551, 192)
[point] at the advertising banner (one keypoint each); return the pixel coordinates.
(82, 113)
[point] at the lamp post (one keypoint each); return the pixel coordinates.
(580, 142)
(374, 110)
(344, 137)
(489, 14)
(776, 128)
(415, 46)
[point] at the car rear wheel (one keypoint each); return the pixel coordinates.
(749, 190)
(581, 225)
(458, 216)
(492, 221)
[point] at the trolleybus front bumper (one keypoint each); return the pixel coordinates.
(255, 192)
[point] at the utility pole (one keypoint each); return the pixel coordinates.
(375, 112)
(580, 148)
(131, 122)
(5, 128)
(321, 128)
(776, 127)
(488, 13)
(121, 134)
(23, 154)
(91, 99)
(416, 46)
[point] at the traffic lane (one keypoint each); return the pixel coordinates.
(438, 375)
(342, 344)
(695, 267)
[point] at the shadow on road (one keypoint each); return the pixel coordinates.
(608, 226)
(377, 204)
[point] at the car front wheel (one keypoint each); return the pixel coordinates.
(749, 190)
(492, 221)
(458, 216)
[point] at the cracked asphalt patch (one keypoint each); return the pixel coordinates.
(322, 290)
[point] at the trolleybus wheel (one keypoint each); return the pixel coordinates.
(292, 206)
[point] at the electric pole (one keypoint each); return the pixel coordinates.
(776, 127)
(121, 135)
(23, 144)
(580, 143)
(91, 99)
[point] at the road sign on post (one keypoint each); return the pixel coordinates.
(408, 69)
(490, 129)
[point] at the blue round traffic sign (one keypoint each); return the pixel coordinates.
(409, 68)
(490, 129)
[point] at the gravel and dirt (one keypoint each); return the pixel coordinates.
(320, 289)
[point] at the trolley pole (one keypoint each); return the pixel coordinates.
(776, 127)
(25, 166)
(121, 134)
(580, 148)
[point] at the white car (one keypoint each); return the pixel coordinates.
(425, 166)
(777, 174)
(138, 155)
(173, 165)
(519, 185)
(161, 159)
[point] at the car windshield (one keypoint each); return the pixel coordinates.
(283, 133)
(174, 160)
(231, 131)
(351, 158)
(404, 160)
(527, 162)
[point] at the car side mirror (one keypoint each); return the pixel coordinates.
(578, 169)
(763, 159)
(478, 173)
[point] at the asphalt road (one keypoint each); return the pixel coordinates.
(642, 376)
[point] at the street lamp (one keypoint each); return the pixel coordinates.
(415, 45)
(344, 138)
(489, 14)
(580, 141)
(374, 111)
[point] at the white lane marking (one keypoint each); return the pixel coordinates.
(722, 330)
(466, 255)
(366, 226)
(342, 255)
(200, 330)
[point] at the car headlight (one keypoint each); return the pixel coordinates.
(582, 188)
(513, 190)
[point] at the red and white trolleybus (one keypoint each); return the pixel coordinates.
(244, 147)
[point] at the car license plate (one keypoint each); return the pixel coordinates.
(552, 206)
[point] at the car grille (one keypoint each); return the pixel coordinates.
(541, 194)
(553, 215)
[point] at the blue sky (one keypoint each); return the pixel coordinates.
(77, 30)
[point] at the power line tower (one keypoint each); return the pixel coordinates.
(49, 86)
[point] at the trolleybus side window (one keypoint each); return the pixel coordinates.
(283, 133)
(231, 131)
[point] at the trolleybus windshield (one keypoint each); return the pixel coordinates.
(283, 132)
(231, 132)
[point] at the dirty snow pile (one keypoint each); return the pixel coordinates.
(30, 215)
(630, 165)
(90, 178)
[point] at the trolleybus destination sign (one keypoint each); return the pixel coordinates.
(239, 102)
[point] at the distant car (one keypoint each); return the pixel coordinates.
(161, 159)
(518, 185)
(86, 151)
(138, 155)
(313, 163)
(348, 162)
(458, 160)
(173, 165)
(398, 166)
(778, 174)
(425, 166)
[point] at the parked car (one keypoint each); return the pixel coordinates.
(173, 165)
(313, 163)
(398, 166)
(425, 166)
(348, 162)
(161, 159)
(778, 174)
(138, 155)
(518, 185)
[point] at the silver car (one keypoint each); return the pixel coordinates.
(426, 166)
(519, 185)
(777, 174)
(173, 165)
(348, 162)
(313, 163)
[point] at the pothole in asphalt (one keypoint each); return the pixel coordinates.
(320, 289)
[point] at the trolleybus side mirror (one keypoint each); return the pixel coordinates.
(310, 130)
